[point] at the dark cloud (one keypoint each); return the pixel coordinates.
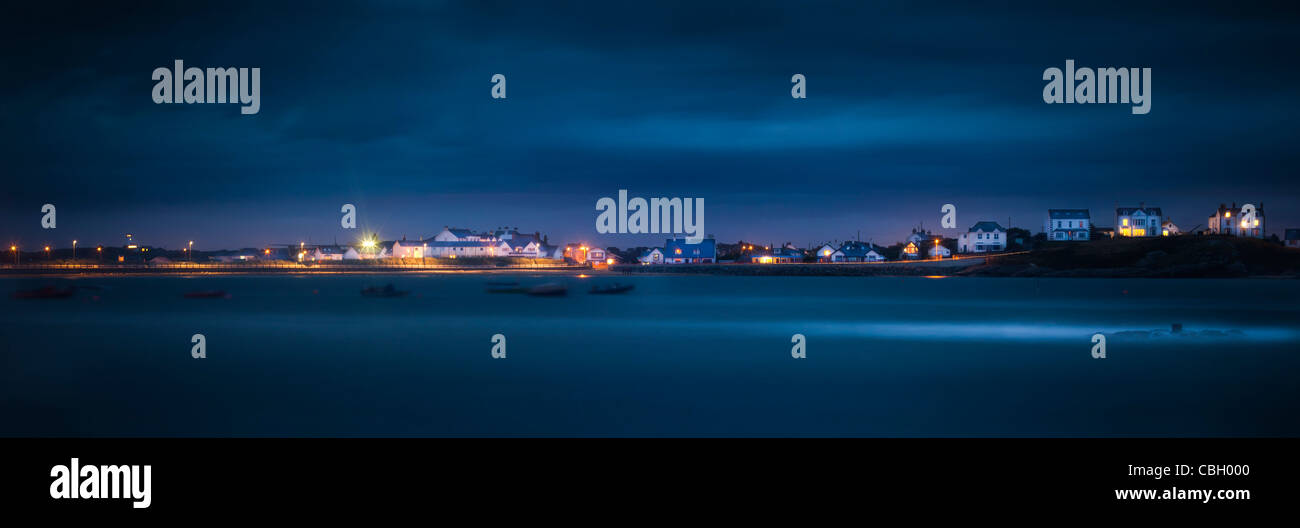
(386, 105)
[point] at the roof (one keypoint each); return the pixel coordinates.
(781, 253)
(461, 233)
(856, 249)
(707, 248)
(647, 252)
(1259, 209)
(1066, 214)
(1128, 211)
(987, 227)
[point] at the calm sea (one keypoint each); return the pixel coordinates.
(679, 355)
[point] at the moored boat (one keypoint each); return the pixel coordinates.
(611, 288)
(386, 291)
(550, 289)
(207, 294)
(47, 292)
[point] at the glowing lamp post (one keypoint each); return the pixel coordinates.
(15, 250)
(74, 250)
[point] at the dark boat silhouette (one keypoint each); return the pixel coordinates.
(386, 291)
(550, 289)
(611, 289)
(47, 292)
(207, 294)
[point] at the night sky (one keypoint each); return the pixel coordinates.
(387, 106)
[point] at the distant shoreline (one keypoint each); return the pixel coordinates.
(1187, 257)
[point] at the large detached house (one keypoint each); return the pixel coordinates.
(454, 242)
(321, 253)
(1067, 224)
(1140, 221)
(1292, 238)
(651, 256)
(782, 255)
(679, 251)
(983, 237)
(410, 249)
(1231, 221)
(857, 252)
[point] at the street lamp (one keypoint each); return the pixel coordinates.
(47, 252)
(15, 250)
(99, 253)
(190, 251)
(74, 250)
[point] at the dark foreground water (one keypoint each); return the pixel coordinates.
(680, 355)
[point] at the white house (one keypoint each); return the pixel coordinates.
(333, 253)
(460, 242)
(1067, 224)
(857, 252)
(523, 245)
(651, 256)
(1140, 221)
(551, 252)
(1169, 228)
(1292, 238)
(983, 237)
(1232, 221)
(938, 251)
(824, 253)
(410, 249)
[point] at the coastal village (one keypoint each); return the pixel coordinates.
(982, 238)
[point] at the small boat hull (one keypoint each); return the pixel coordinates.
(215, 294)
(612, 289)
(549, 290)
(48, 292)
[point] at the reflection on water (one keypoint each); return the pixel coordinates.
(678, 355)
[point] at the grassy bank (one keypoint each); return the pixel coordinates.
(1177, 256)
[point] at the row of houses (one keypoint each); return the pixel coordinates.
(451, 243)
(985, 236)
(1144, 221)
